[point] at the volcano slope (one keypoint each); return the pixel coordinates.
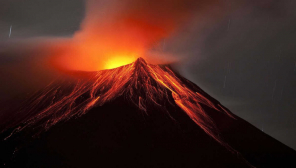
(137, 115)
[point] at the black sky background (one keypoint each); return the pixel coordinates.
(246, 59)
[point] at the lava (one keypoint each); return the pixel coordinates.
(139, 82)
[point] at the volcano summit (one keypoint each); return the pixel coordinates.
(137, 115)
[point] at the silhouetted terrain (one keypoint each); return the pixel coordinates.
(138, 115)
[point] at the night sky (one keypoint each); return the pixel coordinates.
(241, 53)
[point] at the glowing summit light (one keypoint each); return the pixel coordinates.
(118, 61)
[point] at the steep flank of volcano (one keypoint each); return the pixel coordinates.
(140, 83)
(137, 115)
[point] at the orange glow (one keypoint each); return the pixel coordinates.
(115, 32)
(82, 54)
(118, 61)
(115, 38)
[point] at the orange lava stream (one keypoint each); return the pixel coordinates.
(139, 82)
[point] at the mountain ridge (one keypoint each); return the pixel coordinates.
(153, 91)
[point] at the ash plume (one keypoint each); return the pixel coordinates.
(126, 29)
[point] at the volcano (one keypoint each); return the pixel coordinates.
(137, 115)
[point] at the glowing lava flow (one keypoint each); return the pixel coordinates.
(138, 82)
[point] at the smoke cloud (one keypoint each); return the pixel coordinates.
(124, 30)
